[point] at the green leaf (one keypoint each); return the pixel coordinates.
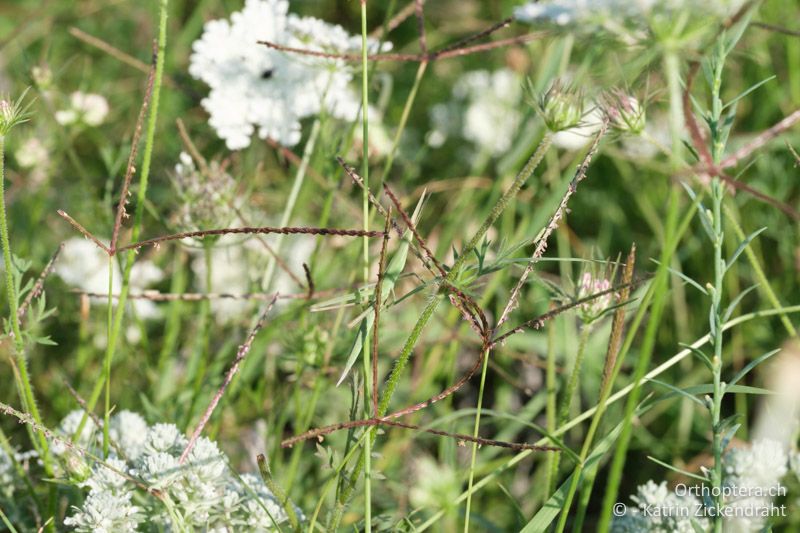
(682, 392)
(549, 511)
(750, 366)
(732, 306)
(684, 277)
(678, 470)
(393, 271)
(744, 245)
(748, 91)
(699, 354)
(736, 389)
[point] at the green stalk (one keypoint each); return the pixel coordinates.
(552, 405)
(716, 331)
(659, 291)
(137, 219)
(24, 387)
(566, 400)
(475, 430)
(365, 216)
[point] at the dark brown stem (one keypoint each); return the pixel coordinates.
(244, 349)
(39, 285)
(131, 167)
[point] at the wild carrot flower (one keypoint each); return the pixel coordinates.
(207, 198)
(205, 493)
(256, 89)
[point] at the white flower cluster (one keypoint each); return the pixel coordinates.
(203, 492)
(256, 89)
(237, 268)
(84, 108)
(677, 516)
(485, 109)
(752, 477)
(591, 12)
(754, 472)
(85, 266)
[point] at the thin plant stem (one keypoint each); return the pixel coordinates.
(622, 393)
(367, 452)
(658, 293)
(551, 407)
(569, 393)
(475, 430)
(400, 364)
(138, 215)
(24, 387)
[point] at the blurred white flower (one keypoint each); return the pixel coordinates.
(484, 110)
(583, 12)
(85, 108)
(677, 512)
(655, 138)
(238, 267)
(31, 153)
(256, 89)
(754, 472)
(436, 486)
(85, 266)
(778, 415)
(7, 475)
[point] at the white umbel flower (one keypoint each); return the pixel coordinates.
(255, 89)
(85, 266)
(484, 110)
